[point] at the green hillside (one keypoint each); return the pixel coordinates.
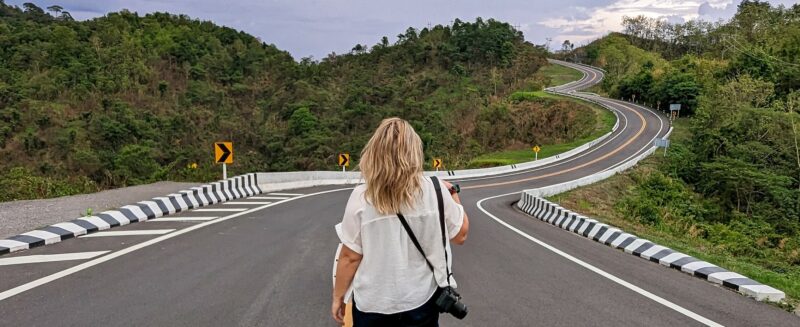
(729, 187)
(127, 99)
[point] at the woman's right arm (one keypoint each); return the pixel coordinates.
(461, 236)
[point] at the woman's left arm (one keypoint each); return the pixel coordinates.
(345, 271)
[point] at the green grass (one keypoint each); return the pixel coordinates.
(560, 74)
(605, 121)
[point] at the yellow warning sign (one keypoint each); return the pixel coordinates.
(437, 163)
(223, 152)
(536, 148)
(344, 159)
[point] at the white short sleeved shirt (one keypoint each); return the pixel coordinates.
(393, 276)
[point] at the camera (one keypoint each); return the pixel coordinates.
(450, 301)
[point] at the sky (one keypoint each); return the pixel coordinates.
(318, 27)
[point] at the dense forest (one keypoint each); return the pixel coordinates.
(735, 179)
(127, 99)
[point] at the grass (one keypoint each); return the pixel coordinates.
(604, 122)
(599, 201)
(560, 74)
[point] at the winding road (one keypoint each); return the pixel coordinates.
(266, 261)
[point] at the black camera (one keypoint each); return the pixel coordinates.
(450, 301)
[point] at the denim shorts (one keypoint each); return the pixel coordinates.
(426, 315)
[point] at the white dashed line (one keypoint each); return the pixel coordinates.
(169, 219)
(129, 233)
(50, 258)
(221, 210)
(246, 203)
(268, 198)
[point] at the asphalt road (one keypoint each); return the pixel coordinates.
(270, 264)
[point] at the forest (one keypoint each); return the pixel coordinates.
(127, 99)
(731, 178)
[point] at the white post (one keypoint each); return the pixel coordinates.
(343, 168)
(224, 171)
(537, 156)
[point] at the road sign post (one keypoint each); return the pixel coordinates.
(663, 143)
(674, 110)
(437, 163)
(344, 161)
(223, 153)
(536, 150)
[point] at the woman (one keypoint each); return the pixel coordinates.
(392, 283)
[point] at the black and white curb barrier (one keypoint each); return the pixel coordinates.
(558, 216)
(208, 194)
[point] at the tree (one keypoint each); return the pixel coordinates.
(56, 9)
(567, 46)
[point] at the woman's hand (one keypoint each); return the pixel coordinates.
(337, 310)
(447, 184)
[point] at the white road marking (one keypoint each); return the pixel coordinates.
(129, 233)
(285, 194)
(47, 279)
(599, 271)
(246, 203)
(220, 210)
(50, 258)
(267, 198)
(169, 219)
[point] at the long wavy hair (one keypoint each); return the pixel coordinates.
(391, 164)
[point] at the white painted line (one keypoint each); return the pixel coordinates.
(50, 258)
(599, 271)
(246, 203)
(86, 265)
(220, 210)
(129, 233)
(285, 194)
(182, 219)
(267, 198)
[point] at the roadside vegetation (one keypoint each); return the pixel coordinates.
(560, 75)
(126, 99)
(595, 121)
(729, 189)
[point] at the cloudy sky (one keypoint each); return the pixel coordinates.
(319, 27)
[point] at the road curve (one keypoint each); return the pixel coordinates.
(268, 264)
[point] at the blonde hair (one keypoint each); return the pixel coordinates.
(391, 164)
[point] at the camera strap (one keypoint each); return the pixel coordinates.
(440, 204)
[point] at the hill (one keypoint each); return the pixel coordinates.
(127, 99)
(729, 187)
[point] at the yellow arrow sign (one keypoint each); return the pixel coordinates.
(437, 163)
(536, 148)
(223, 152)
(344, 159)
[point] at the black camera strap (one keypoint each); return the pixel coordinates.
(440, 203)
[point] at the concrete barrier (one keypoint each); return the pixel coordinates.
(560, 217)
